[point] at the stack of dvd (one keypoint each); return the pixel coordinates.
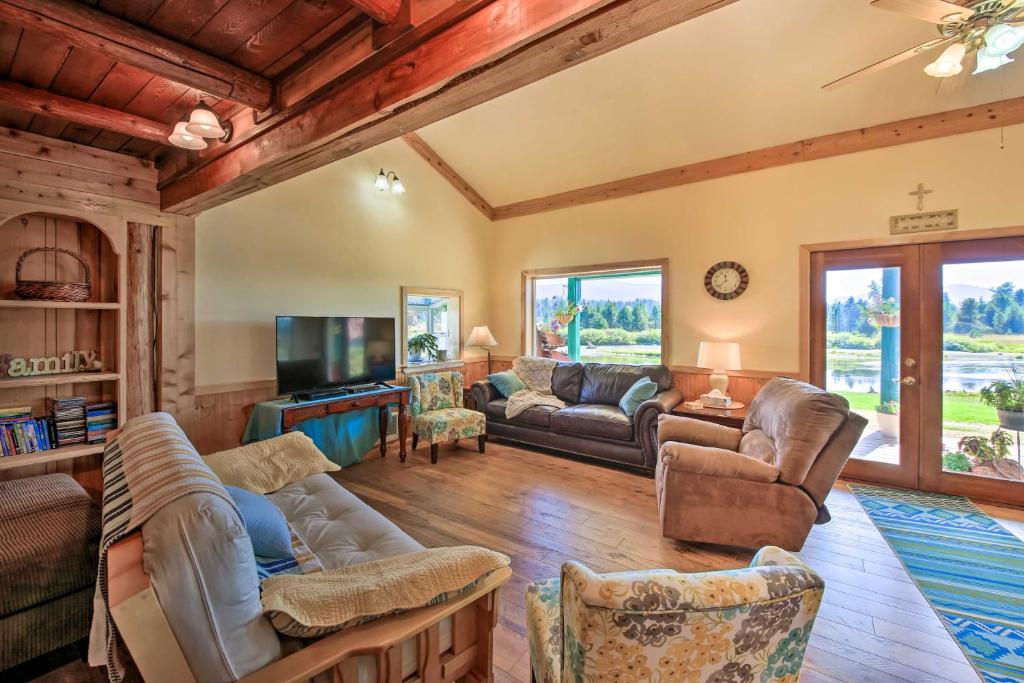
(69, 419)
(21, 433)
(100, 418)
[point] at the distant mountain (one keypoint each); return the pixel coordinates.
(958, 293)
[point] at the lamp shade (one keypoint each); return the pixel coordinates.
(719, 355)
(481, 336)
(184, 139)
(204, 122)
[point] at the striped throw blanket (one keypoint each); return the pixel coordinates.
(150, 464)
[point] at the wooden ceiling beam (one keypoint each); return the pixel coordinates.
(421, 147)
(917, 129)
(384, 11)
(84, 113)
(91, 29)
(499, 48)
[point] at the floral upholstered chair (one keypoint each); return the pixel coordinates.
(438, 414)
(739, 626)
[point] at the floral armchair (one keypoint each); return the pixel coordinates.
(438, 414)
(742, 625)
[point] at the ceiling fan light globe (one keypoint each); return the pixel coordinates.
(181, 137)
(1001, 39)
(990, 62)
(949, 63)
(205, 123)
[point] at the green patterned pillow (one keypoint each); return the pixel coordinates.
(641, 390)
(507, 382)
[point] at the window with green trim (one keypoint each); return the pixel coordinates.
(612, 316)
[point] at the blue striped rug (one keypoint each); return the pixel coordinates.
(966, 564)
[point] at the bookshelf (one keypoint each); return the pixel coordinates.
(41, 329)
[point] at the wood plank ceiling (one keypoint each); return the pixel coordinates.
(303, 82)
(266, 38)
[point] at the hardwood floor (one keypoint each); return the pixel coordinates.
(874, 625)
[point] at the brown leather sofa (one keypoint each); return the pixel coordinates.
(591, 425)
(763, 485)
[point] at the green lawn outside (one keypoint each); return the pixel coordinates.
(957, 406)
(989, 343)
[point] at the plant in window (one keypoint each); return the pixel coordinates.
(889, 408)
(566, 312)
(977, 447)
(422, 345)
(955, 462)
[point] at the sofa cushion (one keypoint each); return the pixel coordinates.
(641, 390)
(566, 381)
(607, 382)
(202, 567)
(756, 444)
(266, 466)
(336, 526)
(264, 523)
(535, 416)
(799, 419)
(507, 382)
(50, 531)
(609, 422)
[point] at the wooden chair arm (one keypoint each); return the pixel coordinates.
(372, 638)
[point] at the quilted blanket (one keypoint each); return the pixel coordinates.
(536, 375)
(317, 604)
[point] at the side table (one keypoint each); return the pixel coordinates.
(733, 417)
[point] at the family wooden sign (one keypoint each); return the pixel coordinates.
(72, 361)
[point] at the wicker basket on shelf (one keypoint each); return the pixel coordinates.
(52, 290)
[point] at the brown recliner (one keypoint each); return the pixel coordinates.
(761, 485)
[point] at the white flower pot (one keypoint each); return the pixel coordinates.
(888, 424)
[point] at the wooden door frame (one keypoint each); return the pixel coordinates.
(933, 478)
(974, 487)
(907, 258)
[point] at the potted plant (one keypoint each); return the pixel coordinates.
(977, 447)
(421, 345)
(888, 415)
(567, 311)
(1007, 397)
(885, 312)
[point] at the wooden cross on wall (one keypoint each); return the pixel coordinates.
(920, 193)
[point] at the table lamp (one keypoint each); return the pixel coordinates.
(718, 357)
(482, 337)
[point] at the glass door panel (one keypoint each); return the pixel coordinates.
(865, 349)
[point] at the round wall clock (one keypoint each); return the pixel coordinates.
(726, 280)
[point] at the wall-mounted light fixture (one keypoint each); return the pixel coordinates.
(203, 122)
(389, 179)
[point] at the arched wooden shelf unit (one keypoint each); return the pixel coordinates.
(43, 329)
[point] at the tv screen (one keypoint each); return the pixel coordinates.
(318, 353)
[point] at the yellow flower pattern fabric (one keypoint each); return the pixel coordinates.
(740, 626)
(436, 404)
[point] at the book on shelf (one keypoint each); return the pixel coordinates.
(68, 415)
(100, 418)
(21, 433)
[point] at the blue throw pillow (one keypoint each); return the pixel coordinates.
(267, 527)
(507, 382)
(641, 390)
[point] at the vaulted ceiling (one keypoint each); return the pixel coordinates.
(742, 78)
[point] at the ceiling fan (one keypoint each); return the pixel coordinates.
(988, 29)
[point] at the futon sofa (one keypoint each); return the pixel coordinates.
(592, 424)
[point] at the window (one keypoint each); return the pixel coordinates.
(600, 314)
(431, 325)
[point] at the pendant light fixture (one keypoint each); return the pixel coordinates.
(184, 139)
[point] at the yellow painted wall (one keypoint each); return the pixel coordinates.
(758, 219)
(328, 243)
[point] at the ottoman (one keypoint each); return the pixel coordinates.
(49, 543)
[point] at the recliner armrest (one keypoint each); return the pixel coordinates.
(715, 462)
(646, 422)
(698, 432)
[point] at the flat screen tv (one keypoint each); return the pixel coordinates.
(320, 353)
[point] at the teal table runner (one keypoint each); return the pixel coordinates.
(344, 438)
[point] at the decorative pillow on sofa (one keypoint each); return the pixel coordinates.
(507, 382)
(641, 390)
(317, 604)
(264, 523)
(266, 466)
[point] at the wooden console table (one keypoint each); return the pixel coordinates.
(293, 415)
